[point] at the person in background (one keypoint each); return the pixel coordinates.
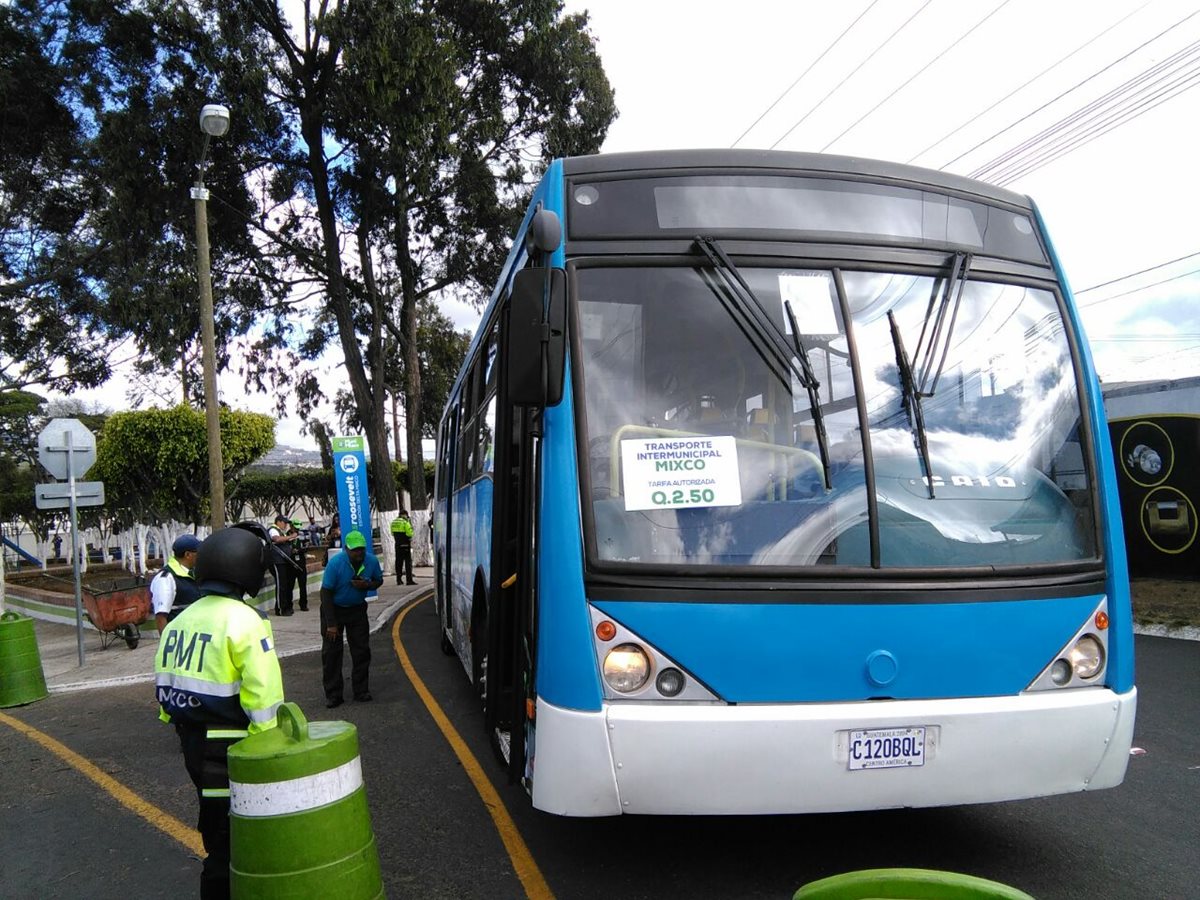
(348, 577)
(173, 588)
(281, 534)
(333, 537)
(402, 533)
(314, 532)
(299, 550)
(58, 547)
(218, 679)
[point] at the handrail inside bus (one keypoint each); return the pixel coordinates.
(655, 431)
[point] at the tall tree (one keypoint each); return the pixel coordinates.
(474, 98)
(46, 250)
(101, 99)
(22, 415)
(441, 350)
(424, 124)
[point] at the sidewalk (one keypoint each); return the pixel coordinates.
(298, 633)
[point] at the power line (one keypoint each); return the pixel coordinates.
(1109, 98)
(802, 74)
(1070, 90)
(1138, 290)
(869, 57)
(1036, 77)
(1130, 100)
(936, 58)
(1159, 357)
(1161, 265)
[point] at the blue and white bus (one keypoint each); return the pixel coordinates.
(777, 483)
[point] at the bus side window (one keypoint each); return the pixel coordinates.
(466, 436)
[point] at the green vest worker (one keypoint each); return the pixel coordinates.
(218, 679)
(402, 534)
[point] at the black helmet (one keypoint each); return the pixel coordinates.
(231, 562)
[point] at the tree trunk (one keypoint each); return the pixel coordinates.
(412, 406)
(412, 358)
(397, 448)
(369, 402)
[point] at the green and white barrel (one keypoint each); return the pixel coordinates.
(21, 677)
(299, 825)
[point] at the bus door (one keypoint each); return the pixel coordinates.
(443, 505)
(510, 638)
(531, 379)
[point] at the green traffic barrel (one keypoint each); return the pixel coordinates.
(907, 884)
(21, 678)
(299, 825)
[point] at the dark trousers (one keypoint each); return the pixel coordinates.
(300, 555)
(285, 582)
(209, 770)
(351, 621)
(404, 558)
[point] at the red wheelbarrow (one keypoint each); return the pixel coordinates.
(118, 611)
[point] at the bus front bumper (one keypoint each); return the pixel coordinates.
(665, 758)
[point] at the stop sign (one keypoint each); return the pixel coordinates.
(54, 440)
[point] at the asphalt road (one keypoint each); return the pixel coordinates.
(62, 836)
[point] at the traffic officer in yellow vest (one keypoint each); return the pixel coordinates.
(402, 534)
(218, 679)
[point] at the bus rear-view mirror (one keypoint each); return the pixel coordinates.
(537, 320)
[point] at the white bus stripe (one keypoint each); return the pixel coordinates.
(297, 794)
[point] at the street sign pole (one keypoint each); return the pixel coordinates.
(75, 544)
(76, 454)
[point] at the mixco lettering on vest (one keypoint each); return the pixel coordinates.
(173, 697)
(183, 647)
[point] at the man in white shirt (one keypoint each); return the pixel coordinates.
(172, 589)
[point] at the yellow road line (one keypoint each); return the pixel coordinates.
(527, 870)
(161, 820)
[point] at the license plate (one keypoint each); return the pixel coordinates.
(887, 748)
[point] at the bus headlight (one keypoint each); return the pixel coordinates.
(626, 668)
(1082, 661)
(1087, 657)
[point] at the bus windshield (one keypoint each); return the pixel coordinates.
(702, 449)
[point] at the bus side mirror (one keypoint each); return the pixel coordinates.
(526, 333)
(545, 232)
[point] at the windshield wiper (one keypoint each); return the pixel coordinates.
(748, 313)
(942, 331)
(809, 380)
(912, 401)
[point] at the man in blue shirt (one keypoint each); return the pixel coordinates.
(348, 577)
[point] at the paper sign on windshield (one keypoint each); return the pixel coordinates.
(677, 473)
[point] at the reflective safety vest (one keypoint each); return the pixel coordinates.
(186, 590)
(216, 668)
(402, 530)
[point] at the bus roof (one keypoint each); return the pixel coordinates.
(779, 160)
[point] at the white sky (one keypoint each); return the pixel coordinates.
(908, 73)
(692, 73)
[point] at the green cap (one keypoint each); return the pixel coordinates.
(354, 540)
(297, 523)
